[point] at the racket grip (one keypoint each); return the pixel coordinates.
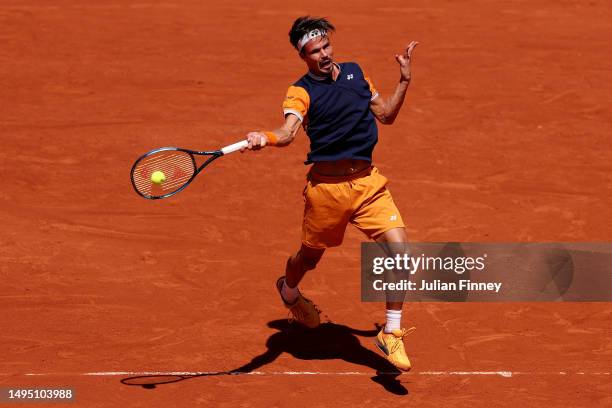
(234, 147)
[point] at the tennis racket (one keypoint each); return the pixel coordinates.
(163, 172)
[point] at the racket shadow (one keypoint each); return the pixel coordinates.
(329, 341)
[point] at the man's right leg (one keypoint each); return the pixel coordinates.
(326, 215)
(304, 260)
(302, 309)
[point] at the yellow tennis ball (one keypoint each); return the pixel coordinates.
(158, 177)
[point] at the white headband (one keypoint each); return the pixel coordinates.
(311, 35)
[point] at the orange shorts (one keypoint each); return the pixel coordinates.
(332, 202)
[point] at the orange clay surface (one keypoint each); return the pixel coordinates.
(505, 136)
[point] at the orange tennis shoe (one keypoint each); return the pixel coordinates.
(303, 310)
(392, 344)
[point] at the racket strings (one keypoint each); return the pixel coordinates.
(178, 168)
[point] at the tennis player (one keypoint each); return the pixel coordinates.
(338, 106)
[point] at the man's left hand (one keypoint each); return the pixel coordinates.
(404, 62)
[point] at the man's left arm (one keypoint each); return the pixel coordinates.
(386, 111)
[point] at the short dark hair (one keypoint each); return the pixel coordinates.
(305, 24)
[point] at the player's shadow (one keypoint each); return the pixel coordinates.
(326, 342)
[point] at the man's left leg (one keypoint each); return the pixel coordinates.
(398, 241)
(378, 217)
(390, 339)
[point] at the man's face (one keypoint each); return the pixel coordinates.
(318, 56)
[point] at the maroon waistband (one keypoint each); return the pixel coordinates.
(312, 176)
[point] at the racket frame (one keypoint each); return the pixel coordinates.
(214, 155)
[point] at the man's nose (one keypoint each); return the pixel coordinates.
(324, 53)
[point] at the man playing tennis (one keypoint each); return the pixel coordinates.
(338, 106)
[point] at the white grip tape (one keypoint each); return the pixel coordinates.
(234, 147)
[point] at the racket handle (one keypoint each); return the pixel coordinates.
(234, 147)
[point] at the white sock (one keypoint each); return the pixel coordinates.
(289, 294)
(394, 320)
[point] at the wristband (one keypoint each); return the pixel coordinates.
(272, 139)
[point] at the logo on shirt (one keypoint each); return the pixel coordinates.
(349, 76)
(393, 218)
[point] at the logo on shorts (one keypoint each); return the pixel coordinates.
(349, 76)
(393, 218)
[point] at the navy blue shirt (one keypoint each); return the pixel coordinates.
(336, 114)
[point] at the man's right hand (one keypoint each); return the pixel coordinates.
(257, 140)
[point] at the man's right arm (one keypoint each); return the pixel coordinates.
(295, 109)
(277, 137)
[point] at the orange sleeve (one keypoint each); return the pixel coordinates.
(372, 88)
(296, 102)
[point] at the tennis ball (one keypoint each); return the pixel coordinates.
(158, 177)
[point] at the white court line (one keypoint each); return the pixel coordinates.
(506, 374)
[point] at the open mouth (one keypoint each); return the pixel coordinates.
(326, 64)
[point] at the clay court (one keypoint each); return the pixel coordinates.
(505, 136)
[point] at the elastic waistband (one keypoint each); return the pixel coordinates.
(312, 176)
